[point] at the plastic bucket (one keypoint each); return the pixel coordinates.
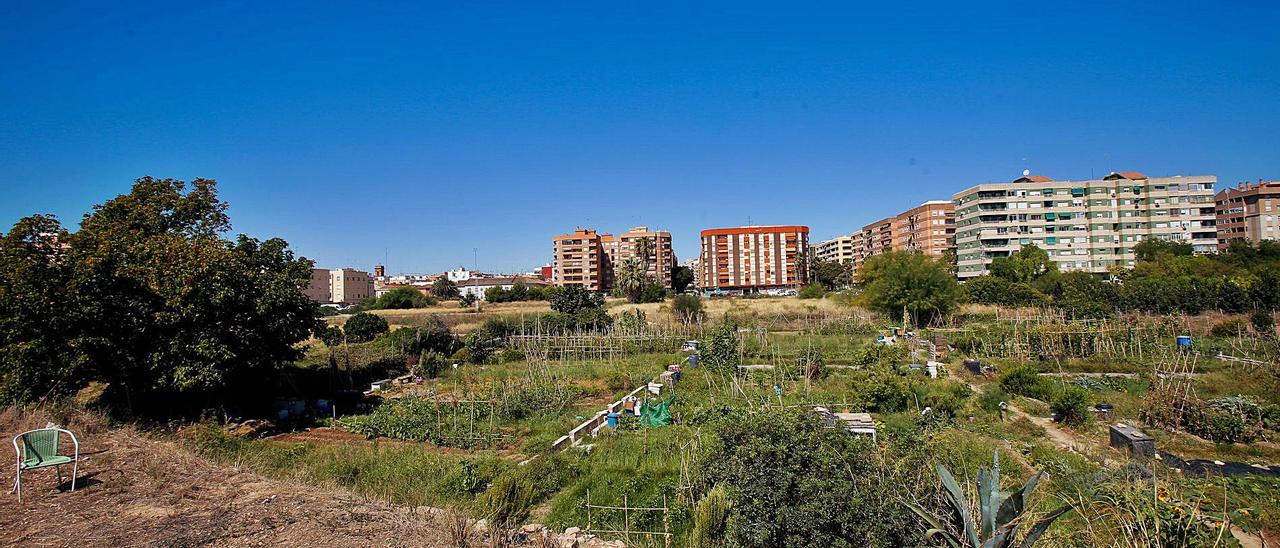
(612, 419)
(1184, 340)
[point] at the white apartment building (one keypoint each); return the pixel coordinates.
(1084, 225)
(839, 249)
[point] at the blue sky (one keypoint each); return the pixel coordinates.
(422, 133)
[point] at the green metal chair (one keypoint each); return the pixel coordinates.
(39, 449)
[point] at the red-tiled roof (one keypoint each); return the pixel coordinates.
(1131, 175)
(1033, 179)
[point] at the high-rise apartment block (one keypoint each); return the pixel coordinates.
(837, 250)
(658, 256)
(590, 259)
(1084, 225)
(753, 258)
(928, 228)
(580, 260)
(1249, 212)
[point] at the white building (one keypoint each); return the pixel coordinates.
(477, 286)
(1084, 225)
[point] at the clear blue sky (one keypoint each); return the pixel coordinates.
(424, 132)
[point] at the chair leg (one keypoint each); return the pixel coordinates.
(74, 467)
(58, 468)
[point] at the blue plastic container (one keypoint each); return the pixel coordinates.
(693, 360)
(1184, 341)
(612, 419)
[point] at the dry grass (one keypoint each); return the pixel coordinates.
(716, 308)
(460, 320)
(135, 490)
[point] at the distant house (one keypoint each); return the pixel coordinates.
(477, 286)
(386, 288)
(461, 274)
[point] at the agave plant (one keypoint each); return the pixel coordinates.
(1000, 512)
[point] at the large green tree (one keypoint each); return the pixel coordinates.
(681, 278)
(898, 280)
(831, 274)
(1024, 265)
(149, 297)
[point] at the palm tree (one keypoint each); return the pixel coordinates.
(632, 279)
(643, 249)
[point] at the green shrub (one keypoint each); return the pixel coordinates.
(463, 355)
(1230, 327)
(433, 336)
(652, 292)
(991, 397)
(507, 500)
(812, 291)
(688, 308)
(721, 352)
(711, 518)
(1024, 380)
(793, 482)
(1071, 405)
(364, 327)
(1263, 322)
(572, 298)
(330, 335)
(995, 290)
(430, 365)
(400, 298)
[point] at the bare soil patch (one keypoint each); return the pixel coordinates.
(136, 490)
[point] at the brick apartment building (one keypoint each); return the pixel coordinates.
(1088, 226)
(1248, 212)
(753, 258)
(660, 258)
(590, 259)
(928, 228)
(579, 259)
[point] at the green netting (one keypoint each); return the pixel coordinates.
(656, 413)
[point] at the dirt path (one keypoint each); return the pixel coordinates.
(134, 490)
(1071, 442)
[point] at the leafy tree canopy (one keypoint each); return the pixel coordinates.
(148, 297)
(364, 327)
(898, 280)
(831, 274)
(681, 278)
(572, 298)
(1024, 265)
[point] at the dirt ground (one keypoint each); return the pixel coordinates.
(133, 489)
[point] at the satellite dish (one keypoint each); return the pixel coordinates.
(1026, 172)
